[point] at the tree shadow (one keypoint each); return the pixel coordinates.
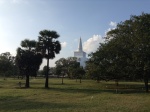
(79, 90)
(109, 88)
(16, 103)
(68, 84)
(127, 88)
(106, 87)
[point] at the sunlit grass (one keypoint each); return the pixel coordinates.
(88, 96)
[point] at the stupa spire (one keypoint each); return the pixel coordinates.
(80, 45)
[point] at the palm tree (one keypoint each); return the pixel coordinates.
(48, 46)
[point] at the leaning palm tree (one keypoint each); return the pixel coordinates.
(48, 46)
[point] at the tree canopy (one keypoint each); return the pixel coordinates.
(28, 59)
(126, 53)
(70, 67)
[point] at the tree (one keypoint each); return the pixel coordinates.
(126, 53)
(7, 65)
(28, 60)
(62, 67)
(67, 65)
(99, 64)
(79, 73)
(133, 40)
(92, 70)
(136, 32)
(44, 71)
(48, 46)
(141, 51)
(52, 70)
(72, 66)
(58, 71)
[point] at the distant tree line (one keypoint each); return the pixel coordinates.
(69, 67)
(65, 67)
(8, 66)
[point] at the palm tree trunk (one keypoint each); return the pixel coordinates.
(27, 81)
(46, 81)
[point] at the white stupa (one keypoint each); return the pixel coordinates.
(80, 54)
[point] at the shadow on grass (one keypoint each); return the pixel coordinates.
(11, 103)
(98, 91)
(127, 88)
(68, 84)
(109, 88)
(71, 90)
(79, 90)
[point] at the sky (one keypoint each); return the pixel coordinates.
(71, 19)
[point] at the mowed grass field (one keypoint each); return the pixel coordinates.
(89, 96)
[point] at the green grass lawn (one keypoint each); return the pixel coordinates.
(88, 96)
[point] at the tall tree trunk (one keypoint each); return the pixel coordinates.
(146, 85)
(46, 81)
(98, 79)
(27, 82)
(146, 81)
(80, 79)
(116, 82)
(62, 79)
(4, 77)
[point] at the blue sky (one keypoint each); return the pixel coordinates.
(72, 19)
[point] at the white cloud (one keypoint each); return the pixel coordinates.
(108, 30)
(63, 44)
(92, 43)
(113, 24)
